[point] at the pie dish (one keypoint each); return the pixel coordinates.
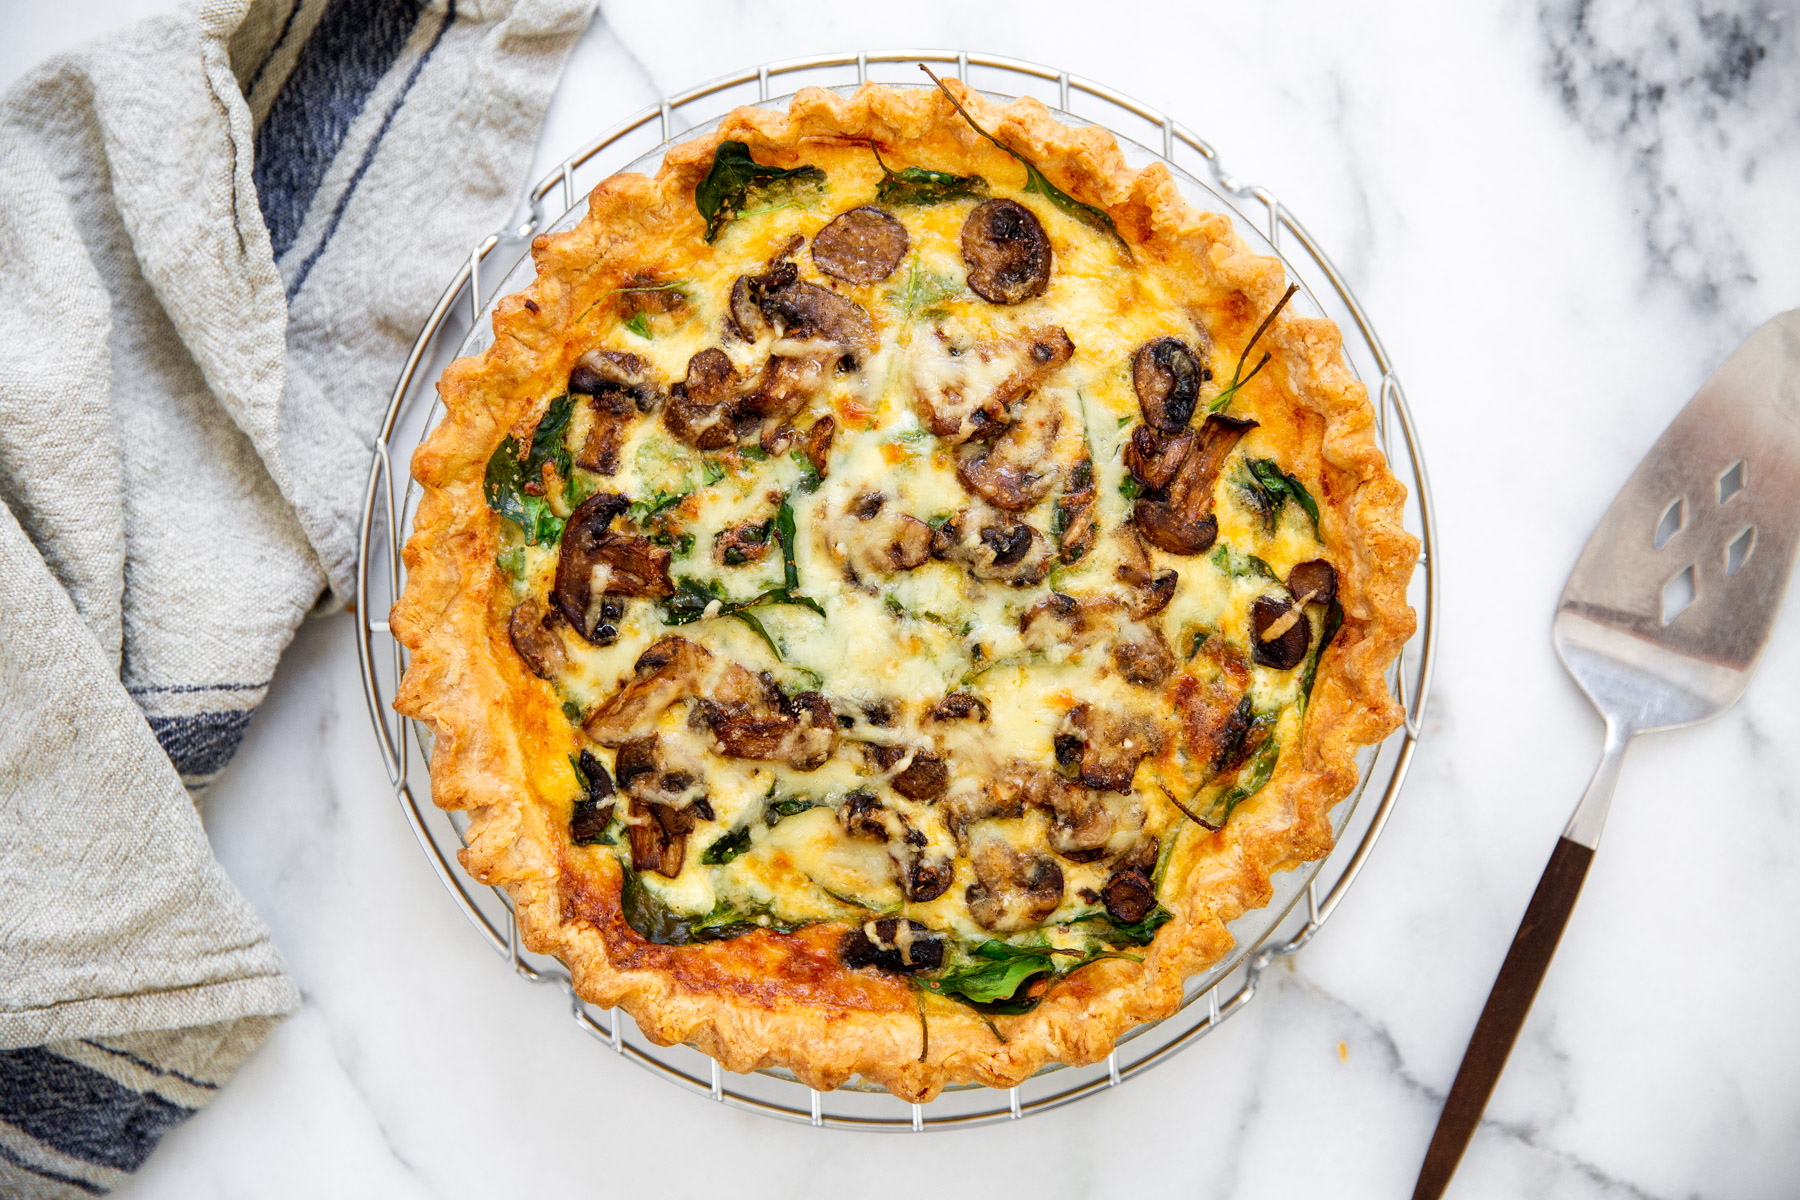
(894, 589)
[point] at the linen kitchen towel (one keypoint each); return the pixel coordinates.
(219, 233)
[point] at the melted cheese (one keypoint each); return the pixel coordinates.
(909, 637)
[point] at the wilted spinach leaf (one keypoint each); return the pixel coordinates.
(778, 811)
(509, 474)
(1334, 621)
(1251, 780)
(1138, 933)
(916, 185)
(726, 848)
(736, 177)
(1277, 485)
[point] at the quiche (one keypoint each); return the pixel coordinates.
(894, 589)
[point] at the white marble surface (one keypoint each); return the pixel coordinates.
(1561, 219)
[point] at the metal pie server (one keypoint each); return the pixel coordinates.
(1661, 623)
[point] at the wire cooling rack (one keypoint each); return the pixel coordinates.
(1303, 899)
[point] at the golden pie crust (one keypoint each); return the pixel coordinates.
(772, 999)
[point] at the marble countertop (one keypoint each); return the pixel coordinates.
(1561, 217)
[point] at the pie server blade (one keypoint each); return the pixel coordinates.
(1661, 624)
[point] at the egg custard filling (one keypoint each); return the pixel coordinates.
(886, 611)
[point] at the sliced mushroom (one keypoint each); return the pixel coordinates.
(960, 706)
(533, 632)
(817, 446)
(1280, 633)
(596, 562)
(802, 732)
(594, 811)
(664, 809)
(873, 539)
(1147, 590)
(864, 245)
(669, 671)
(1013, 890)
(1017, 470)
(1214, 712)
(1105, 746)
(969, 802)
(1154, 458)
(954, 390)
(1129, 896)
(1142, 654)
(892, 944)
(700, 409)
(618, 386)
(994, 546)
(1007, 252)
(1059, 620)
(744, 316)
(1183, 522)
(924, 778)
(864, 816)
(1313, 582)
(807, 312)
(1166, 375)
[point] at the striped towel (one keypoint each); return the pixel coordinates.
(219, 232)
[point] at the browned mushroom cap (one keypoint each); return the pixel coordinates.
(1017, 470)
(533, 632)
(1002, 548)
(658, 836)
(873, 539)
(1183, 523)
(1108, 746)
(1313, 582)
(1017, 786)
(1007, 252)
(700, 407)
(744, 317)
(1169, 528)
(663, 809)
(1166, 374)
(925, 777)
(1280, 633)
(616, 373)
(893, 944)
(803, 734)
(960, 706)
(1154, 458)
(864, 817)
(1213, 712)
(1013, 890)
(1059, 620)
(669, 671)
(1081, 823)
(1142, 654)
(925, 877)
(1129, 896)
(595, 561)
(808, 312)
(817, 446)
(863, 245)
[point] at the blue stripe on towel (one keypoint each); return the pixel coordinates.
(203, 743)
(18, 1160)
(387, 119)
(353, 46)
(80, 1112)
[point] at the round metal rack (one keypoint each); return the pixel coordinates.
(1304, 898)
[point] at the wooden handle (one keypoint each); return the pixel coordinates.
(1507, 1004)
